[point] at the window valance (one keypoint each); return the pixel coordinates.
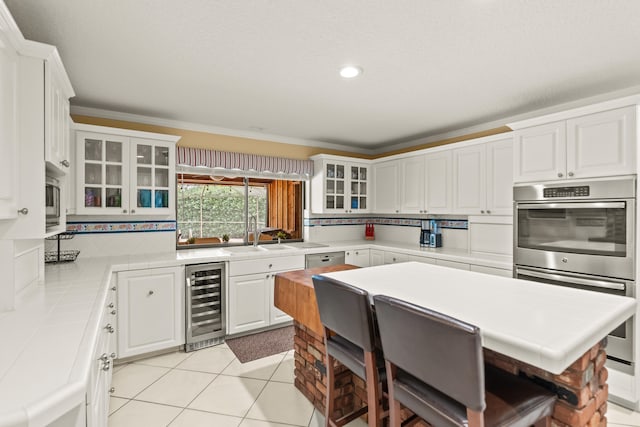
(199, 157)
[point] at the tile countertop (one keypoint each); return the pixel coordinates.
(543, 325)
(48, 340)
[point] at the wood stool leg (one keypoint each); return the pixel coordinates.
(373, 394)
(394, 405)
(331, 384)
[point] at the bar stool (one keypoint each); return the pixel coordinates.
(349, 336)
(435, 368)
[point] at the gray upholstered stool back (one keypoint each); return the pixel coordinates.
(346, 310)
(439, 350)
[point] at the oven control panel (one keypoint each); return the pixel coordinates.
(580, 191)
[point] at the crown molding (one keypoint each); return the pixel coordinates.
(137, 118)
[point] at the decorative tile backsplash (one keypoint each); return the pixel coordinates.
(404, 222)
(96, 227)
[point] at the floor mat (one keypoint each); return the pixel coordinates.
(262, 344)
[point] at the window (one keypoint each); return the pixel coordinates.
(217, 210)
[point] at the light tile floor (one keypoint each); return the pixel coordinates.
(210, 387)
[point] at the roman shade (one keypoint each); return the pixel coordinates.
(251, 163)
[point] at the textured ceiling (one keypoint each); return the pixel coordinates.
(271, 66)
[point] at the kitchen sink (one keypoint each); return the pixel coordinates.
(243, 249)
(276, 247)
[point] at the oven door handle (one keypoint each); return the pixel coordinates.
(577, 280)
(569, 205)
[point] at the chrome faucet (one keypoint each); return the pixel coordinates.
(254, 222)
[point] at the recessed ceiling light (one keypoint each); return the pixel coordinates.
(350, 71)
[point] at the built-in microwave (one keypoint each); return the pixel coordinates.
(52, 199)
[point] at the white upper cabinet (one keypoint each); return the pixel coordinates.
(593, 145)
(483, 177)
(385, 184)
(340, 185)
(123, 173)
(602, 144)
(469, 180)
(57, 119)
(540, 153)
(8, 130)
(500, 177)
(439, 182)
(412, 185)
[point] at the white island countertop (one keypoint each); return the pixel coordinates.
(546, 326)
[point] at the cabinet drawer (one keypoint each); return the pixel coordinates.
(491, 270)
(395, 257)
(262, 265)
(452, 264)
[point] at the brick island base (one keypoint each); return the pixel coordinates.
(582, 388)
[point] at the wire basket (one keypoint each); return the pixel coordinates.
(61, 256)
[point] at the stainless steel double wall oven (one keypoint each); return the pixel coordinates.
(580, 234)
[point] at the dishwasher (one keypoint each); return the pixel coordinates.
(324, 259)
(205, 308)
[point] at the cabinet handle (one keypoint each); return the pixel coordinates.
(112, 390)
(268, 275)
(106, 365)
(23, 211)
(104, 357)
(124, 211)
(357, 253)
(348, 253)
(133, 211)
(270, 265)
(112, 355)
(570, 174)
(559, 174)
(150, 293)
(397, 211)
(113, 288)
(65, 163)
(488, 211)
(481, 212)
(113, 312)
(109, 329)
(111, 305)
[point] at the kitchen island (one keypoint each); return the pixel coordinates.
(553, 335)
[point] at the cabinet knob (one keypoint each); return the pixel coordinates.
(113, 288)
(482, 212)
(270, 265)
(348, 253)
(65, 163)
(133, 211)
(112, 355)
(357, 253)
(570, 174)
(104, 357)
(106, 365)
(113, 312)
(109, 329)
(23, 211)
(124, 211)
(488, 211)
(150, 293)
(559, 174)
(111, 305)
(268, 275)
(397, 211)
(112, 390)
(394, 260)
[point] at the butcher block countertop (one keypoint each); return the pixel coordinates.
(293, 294)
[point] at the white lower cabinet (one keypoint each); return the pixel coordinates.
(422, 259)
(452, 264)
(395, 257)
(359, 257)
(376, 257)
(491, 270)
(104, 353)
(151, 310)
(251, 293)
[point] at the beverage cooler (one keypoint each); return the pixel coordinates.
(205, 308)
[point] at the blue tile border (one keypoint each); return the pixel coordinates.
(102, 227)
(402, 222)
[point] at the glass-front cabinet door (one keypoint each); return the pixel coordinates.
(103, 173)
(358, 183)
(335, 187)
(152, 177)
